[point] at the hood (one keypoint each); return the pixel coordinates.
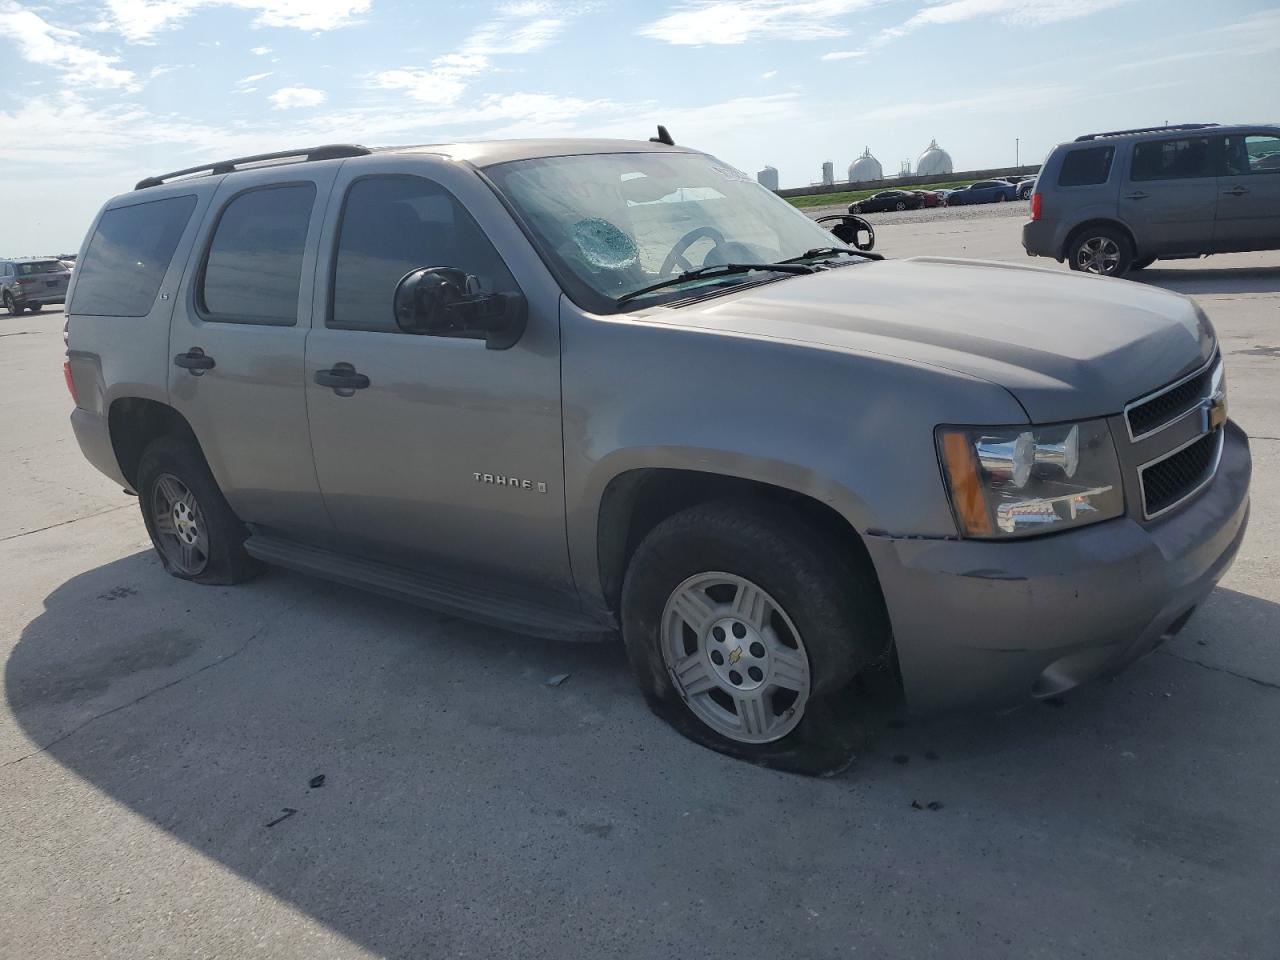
(1066, 345)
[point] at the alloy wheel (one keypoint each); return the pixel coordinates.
(735, 657)
(181, 531)
(1100, 255)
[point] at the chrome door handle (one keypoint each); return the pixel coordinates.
(1136, 195)
(1235, 192)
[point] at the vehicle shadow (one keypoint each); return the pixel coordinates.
(1210, 280)
(471, 807)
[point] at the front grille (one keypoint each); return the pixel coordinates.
(1150, 415)
(1167, 482)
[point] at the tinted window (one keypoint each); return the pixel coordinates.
(254, 267)
(40, 266)
(1256, 153)
(1172, 159)
(1085, 167)
(391, 225)
(128, 255)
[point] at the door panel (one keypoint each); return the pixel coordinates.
(451, 456)
(1170, 196)
(1249, 194)
(249, 409)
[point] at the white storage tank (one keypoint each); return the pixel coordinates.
(768, 177)
(865, 167)
(934, 161)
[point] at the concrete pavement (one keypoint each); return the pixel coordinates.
(152, 731)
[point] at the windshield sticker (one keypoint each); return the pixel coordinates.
(604, 245)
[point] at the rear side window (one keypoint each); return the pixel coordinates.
(1088, 167)
(253, 270)
(121, 271)
(1172, 159)
(392, 225)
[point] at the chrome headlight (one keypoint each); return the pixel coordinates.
(1021, 481)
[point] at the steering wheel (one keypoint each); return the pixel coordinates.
(676, 256)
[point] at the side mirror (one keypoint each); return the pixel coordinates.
(448, 302)
(853, 230)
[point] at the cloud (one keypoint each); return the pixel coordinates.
(518, 28)
(1020, 12)
(768, 74)
(287, 98)
(698, 22)
(140, 20)
(441, 85)
(42, 43)
(843, 55)
(259, 51)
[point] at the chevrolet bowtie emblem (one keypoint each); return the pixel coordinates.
(735, 656)
(1216, 411)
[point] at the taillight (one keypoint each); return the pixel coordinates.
(1037, 200)
(71, 383)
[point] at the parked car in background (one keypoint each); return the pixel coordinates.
(1026, 188)
(1113, 202)
(888, 200)
(984, 191)
(32, 283)
(931, 198)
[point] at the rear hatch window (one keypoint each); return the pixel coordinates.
(42, 266)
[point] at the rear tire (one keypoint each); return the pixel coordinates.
(1102, 250)
(35, 307)
(900, 205)
(785, 618)
(11, 305)
(191, 525)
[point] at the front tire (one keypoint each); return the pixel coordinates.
(1103, 251)
(191, 525)
(744, 630)
(35, 307)
(900, 205)
(11, 305)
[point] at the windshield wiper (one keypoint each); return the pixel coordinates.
(716, 270)
(830, 252)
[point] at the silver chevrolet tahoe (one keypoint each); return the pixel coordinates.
(602, 387)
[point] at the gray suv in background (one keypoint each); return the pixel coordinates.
(1109, 203)
(32, 283)
(586, 388)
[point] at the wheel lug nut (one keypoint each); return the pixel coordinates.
(718, 633)
(755, 674)
(739, 631)
(757, 650)
(717, 658)
(735, 678)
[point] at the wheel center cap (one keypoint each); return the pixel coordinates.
(738, 656)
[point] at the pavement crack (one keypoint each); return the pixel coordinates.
(160, 689)
(1231, 673)
(1252, 437)
(63, 523)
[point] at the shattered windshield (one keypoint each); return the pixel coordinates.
(612, 224)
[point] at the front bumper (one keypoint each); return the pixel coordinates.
(982, 623)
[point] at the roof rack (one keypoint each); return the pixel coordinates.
(1123, 133)
(328, 151)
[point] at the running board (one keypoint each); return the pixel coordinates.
(429, 590)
